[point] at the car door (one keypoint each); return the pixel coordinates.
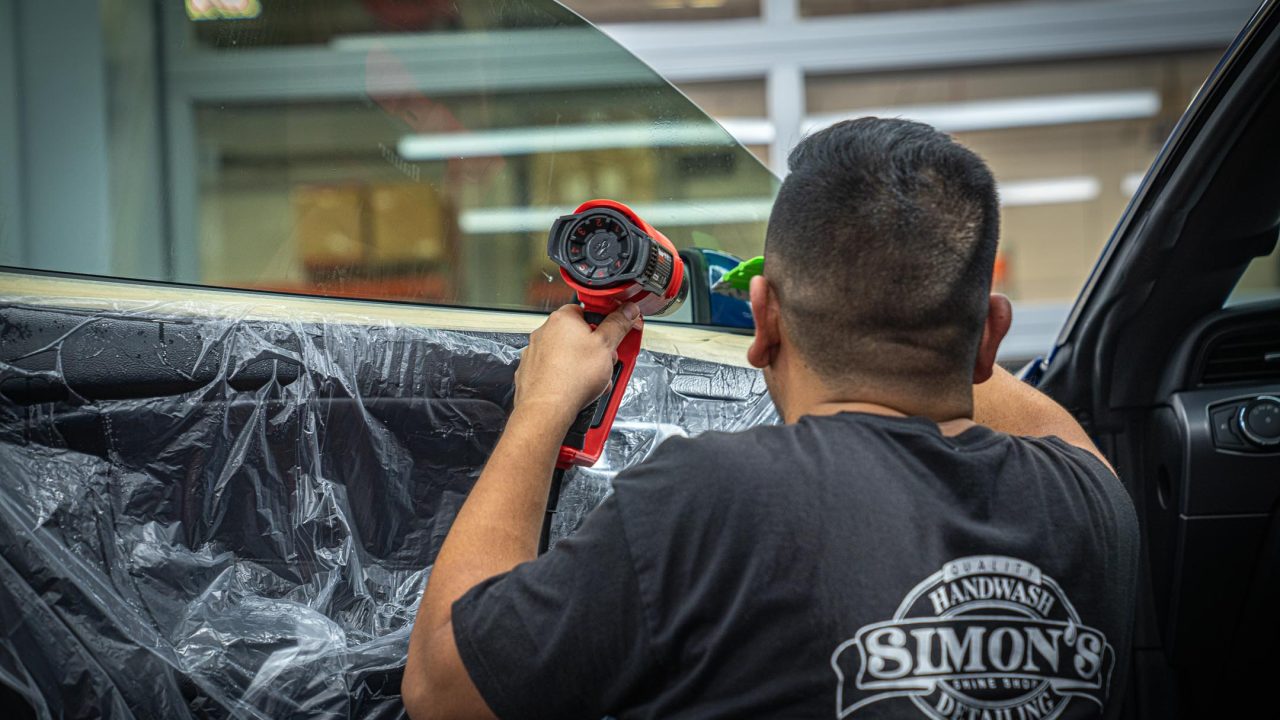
(264, 297)
(1171, 357)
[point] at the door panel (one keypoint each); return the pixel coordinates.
(207, 512)
(1160, 374)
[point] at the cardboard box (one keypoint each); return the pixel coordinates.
(408, 223)
(327, 221)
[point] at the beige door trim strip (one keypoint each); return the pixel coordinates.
(122, 296)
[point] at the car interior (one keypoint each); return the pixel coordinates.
(1179, 382)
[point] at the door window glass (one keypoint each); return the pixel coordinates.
(384, 150)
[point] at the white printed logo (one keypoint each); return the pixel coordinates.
(985, 638)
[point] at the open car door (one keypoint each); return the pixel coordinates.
(220, 498)
(1179, 379)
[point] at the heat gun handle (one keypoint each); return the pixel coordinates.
(576, 438)
(586, 437)
(585, 440)
(590, 416)
(577, 435)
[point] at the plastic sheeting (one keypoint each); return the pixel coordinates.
(179, 541)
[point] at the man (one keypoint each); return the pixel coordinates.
(925, 536)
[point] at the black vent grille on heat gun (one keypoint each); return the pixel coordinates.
(657, 271)
(1243, 355)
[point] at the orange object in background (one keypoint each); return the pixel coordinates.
(1000, 276)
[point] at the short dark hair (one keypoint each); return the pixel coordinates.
(881, 246)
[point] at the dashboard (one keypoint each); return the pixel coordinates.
(1212, 461)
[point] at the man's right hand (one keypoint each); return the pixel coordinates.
(567, 364)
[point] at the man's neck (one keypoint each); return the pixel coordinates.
(798, 390)
(947, 426)
(804, 392)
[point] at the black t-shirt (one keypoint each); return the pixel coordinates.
(845, 566)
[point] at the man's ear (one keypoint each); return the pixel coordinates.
(999, 317)
(764, 309)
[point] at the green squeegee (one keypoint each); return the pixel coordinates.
(737, 282)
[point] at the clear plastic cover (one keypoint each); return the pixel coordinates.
(236, 517)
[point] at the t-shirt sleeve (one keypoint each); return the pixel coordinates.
(563, 636)
(1079, 456)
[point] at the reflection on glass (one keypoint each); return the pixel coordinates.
(437, 178)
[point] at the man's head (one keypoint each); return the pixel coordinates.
(879, 259)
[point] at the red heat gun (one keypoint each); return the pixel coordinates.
(610, 256)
